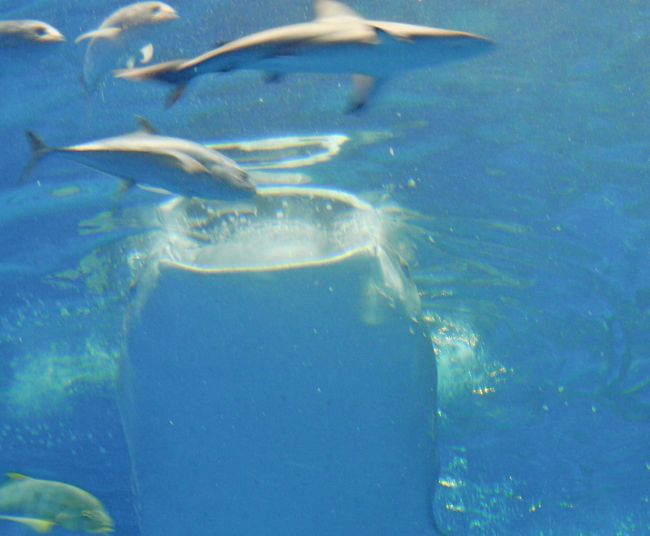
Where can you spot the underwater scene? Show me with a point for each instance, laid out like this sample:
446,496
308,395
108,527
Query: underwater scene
322,268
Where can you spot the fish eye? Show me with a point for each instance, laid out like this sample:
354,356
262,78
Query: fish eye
41,31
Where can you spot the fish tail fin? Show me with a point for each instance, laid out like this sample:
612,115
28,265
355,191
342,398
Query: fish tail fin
169,72
39,151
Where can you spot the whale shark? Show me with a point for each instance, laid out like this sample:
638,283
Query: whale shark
338,40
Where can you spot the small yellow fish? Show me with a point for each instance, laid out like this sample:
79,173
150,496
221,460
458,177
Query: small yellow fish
44,504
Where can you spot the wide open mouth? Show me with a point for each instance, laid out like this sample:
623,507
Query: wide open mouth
282,228
286,228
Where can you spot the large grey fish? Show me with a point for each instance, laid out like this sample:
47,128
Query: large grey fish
143,157
337,41
44,504
118,34
15,33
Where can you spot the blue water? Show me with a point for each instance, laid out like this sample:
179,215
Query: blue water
529,167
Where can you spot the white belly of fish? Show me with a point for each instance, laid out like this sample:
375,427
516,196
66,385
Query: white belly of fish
377,60
162,170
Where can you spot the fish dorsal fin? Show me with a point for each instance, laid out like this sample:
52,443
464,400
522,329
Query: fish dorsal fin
16,476
388,31
144,125
39,525
329,9
146,53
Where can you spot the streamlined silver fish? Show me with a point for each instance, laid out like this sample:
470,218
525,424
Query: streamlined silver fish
338,41
44,504
118,34
14,33
143,157
130,17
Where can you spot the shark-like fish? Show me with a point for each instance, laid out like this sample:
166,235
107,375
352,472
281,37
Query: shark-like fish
15,33
118,35
338,40
44,504
143,157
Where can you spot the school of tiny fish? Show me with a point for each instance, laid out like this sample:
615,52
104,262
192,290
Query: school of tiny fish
338,40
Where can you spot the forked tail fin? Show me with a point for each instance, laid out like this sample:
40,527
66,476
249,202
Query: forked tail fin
169,72
39,150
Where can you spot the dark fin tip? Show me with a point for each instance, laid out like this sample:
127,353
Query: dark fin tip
145,125
125,187
272,78
175,95
354,107
37,144
39,150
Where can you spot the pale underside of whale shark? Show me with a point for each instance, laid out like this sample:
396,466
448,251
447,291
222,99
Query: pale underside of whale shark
338,40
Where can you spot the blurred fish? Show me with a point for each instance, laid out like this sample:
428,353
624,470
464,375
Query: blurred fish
43,504
118,34
14,33
337,41
143,157
130,17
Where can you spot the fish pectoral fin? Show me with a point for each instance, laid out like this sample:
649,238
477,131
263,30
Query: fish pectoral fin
146,53
187,163
328,9
39,525
126,186
175,95
364,87
62,517
102,33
